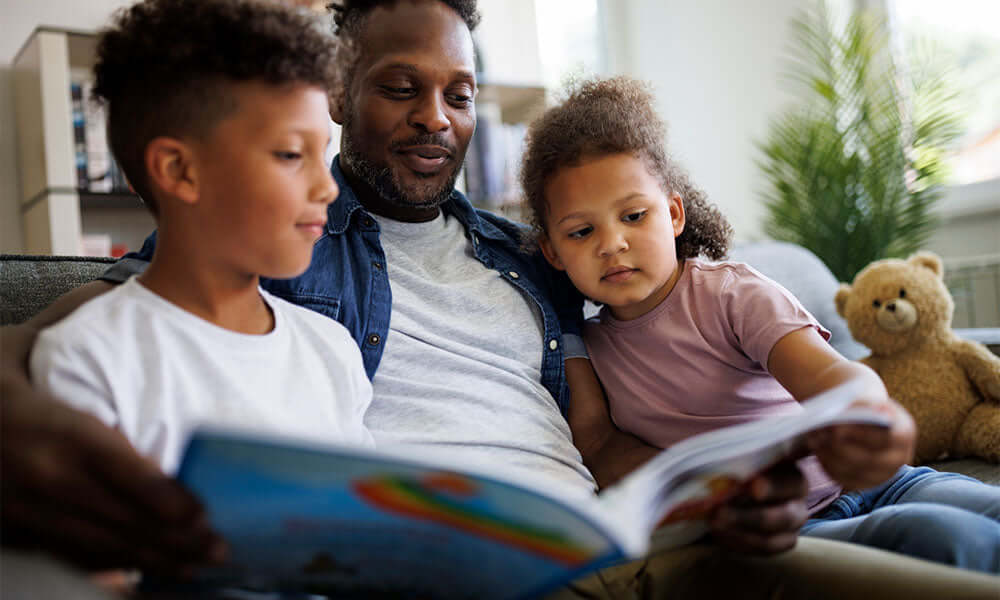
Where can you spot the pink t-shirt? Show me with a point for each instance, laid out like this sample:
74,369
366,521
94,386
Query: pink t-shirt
697,361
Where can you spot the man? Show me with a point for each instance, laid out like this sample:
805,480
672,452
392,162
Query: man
462,336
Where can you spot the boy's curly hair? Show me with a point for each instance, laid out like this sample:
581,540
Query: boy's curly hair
600,117
164,66
349,18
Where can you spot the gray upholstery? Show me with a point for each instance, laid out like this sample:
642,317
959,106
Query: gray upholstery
30,283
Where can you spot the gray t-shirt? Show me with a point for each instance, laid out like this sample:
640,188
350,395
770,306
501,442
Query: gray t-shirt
461,370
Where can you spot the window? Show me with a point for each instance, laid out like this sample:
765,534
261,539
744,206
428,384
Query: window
569,39
965,35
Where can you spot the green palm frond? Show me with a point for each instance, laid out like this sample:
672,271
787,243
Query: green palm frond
854,169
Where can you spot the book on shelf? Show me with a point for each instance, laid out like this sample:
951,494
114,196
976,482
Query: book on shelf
316,519
96,169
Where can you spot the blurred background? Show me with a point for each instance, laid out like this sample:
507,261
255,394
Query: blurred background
719,69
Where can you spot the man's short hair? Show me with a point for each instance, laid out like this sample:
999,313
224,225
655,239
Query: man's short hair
349,19
165,68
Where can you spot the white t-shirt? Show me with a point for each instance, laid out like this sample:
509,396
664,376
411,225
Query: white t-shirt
153,370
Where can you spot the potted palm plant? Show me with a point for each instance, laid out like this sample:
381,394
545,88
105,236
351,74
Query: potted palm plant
854,168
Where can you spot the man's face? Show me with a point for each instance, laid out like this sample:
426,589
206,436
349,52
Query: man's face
409,111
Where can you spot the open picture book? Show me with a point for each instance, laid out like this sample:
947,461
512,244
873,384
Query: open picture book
315,519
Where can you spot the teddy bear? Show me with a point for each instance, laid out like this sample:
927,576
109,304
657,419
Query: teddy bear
902,311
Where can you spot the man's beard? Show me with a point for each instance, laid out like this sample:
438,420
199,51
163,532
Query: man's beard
387,185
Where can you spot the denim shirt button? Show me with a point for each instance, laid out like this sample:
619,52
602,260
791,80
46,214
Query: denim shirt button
513,274
377,266
553,344
374,339
368,222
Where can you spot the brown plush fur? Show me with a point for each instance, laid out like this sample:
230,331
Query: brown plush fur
902,311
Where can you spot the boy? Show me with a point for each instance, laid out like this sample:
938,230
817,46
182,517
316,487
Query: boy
217,112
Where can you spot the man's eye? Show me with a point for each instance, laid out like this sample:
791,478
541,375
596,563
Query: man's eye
399,91
634,217
459,99
283,155
579,234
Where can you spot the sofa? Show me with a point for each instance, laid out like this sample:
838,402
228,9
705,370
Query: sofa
30,283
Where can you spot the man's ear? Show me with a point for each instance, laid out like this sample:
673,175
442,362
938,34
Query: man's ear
677,215
171,169
549,252
337,105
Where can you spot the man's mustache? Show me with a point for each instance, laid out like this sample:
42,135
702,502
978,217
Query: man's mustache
425,139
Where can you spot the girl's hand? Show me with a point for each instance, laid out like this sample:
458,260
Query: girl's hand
861,456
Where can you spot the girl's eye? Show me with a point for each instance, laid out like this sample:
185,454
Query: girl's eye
876,304
282,155
581,233
634,217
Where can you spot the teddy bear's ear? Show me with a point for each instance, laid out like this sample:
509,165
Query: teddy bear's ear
927,260
841,299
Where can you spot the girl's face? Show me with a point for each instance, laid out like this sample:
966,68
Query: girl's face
611,227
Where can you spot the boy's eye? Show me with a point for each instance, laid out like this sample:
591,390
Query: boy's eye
634,217
285,155
579,234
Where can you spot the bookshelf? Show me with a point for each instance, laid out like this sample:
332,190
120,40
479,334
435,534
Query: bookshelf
504,111
56,212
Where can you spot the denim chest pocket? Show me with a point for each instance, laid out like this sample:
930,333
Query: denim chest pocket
329,307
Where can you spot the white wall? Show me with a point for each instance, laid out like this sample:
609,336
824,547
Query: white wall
19,19
715,67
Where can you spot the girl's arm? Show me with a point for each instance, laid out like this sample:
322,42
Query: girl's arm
607,451
857,456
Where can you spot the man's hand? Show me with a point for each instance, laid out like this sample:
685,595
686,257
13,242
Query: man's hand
862,456
766,517
76,488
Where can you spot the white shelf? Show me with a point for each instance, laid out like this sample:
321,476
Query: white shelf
49,202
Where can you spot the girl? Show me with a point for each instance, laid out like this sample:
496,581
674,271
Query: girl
683,345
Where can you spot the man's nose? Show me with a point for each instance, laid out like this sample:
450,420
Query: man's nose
430,114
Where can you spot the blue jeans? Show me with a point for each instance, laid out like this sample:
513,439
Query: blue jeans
944,517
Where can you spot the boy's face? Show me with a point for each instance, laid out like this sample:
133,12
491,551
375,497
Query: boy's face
409,109
611,227
262,182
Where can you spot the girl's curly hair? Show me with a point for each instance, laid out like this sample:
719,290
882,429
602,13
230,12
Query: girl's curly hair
164,67
600,117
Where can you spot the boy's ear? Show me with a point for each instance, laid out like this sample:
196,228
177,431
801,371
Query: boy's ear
677,216
549,252
171,169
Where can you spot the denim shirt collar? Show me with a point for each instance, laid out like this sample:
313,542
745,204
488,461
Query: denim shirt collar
340,213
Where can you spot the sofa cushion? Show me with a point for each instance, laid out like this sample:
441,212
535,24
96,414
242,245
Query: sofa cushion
30,283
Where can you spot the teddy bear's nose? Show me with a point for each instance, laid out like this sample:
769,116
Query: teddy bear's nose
891,307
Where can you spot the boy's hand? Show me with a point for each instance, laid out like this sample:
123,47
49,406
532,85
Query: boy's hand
767,516
861,456
76,488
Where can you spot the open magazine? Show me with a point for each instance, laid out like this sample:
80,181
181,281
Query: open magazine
309,519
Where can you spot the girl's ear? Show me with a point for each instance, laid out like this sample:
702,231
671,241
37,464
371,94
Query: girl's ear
550,253
677,217
171,169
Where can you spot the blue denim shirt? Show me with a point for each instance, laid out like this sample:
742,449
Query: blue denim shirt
347,279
